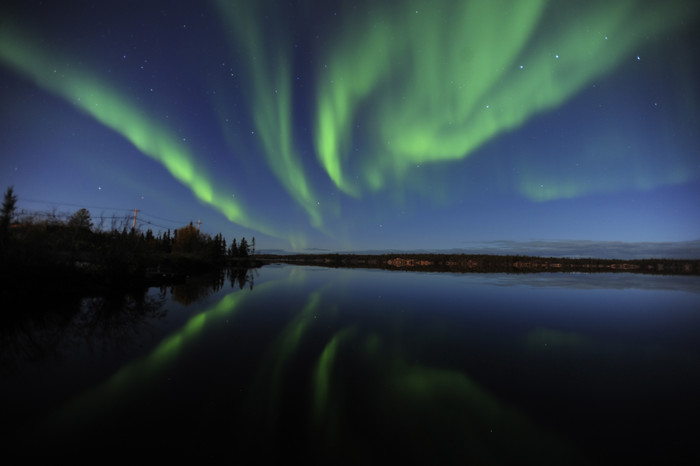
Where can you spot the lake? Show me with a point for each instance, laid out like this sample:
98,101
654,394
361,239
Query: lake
362,366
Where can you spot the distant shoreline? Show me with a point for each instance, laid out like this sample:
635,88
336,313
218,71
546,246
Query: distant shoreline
488,263
84,277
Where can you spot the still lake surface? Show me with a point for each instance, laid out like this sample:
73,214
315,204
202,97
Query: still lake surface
361,366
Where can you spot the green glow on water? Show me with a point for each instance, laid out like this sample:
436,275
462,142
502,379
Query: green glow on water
271,375
323,374
142,374
401,398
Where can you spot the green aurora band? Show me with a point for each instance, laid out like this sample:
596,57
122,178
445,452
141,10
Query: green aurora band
270,79
396,85
23,54
433,83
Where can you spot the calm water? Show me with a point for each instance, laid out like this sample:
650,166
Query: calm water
363,366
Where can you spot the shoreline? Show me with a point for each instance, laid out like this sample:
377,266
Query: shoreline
81,277
487,263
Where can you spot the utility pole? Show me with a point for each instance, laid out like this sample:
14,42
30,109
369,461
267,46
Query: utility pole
198,223
133,227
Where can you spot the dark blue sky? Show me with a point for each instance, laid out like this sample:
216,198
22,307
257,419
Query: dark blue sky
358,125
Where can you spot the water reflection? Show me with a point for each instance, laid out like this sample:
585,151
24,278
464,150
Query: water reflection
46,327
47,324
197,288
328,365
597,281
369,395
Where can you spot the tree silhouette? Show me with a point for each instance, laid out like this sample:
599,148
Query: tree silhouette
80,220
9,205
186,239
243,249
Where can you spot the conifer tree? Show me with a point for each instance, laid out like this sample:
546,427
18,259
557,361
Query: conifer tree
243,248
81,220
9,205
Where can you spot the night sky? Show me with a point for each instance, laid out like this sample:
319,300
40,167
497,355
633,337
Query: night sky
356,125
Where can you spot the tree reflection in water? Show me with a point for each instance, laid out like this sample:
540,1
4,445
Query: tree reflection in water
110,323
345,365
43,326
197,288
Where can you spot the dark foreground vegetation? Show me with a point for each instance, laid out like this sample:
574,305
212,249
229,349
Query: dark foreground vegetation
483,263
73,254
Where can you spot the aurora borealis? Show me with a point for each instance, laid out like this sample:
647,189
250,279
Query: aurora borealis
359,125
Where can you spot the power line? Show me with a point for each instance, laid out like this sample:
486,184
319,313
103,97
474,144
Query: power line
71,205
101,218
37,213
161,218
179,222
152,224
